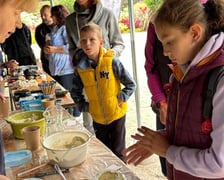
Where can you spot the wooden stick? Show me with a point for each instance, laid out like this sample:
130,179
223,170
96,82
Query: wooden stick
30,170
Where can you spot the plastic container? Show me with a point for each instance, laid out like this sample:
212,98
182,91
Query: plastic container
66,157
32,105
17,158
28,118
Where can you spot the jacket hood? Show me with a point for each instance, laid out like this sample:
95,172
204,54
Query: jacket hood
212,45
96,11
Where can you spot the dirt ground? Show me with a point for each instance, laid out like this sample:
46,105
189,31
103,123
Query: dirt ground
150,169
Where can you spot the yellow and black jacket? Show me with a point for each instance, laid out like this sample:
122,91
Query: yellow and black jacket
102,84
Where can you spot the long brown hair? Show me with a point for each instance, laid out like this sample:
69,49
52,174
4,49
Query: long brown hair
60,12
184,13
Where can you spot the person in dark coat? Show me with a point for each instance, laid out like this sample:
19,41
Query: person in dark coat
40,34
10,18
18,46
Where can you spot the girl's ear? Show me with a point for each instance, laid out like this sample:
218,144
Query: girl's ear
196,31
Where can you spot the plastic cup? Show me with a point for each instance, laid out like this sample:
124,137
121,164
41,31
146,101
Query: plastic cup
48,102
32,137
4,108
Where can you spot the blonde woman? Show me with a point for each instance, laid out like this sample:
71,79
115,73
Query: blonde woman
10,11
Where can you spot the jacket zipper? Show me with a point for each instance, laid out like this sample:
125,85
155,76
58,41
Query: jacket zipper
176,119
99,95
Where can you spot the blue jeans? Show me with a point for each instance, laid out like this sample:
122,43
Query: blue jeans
66,82
159,125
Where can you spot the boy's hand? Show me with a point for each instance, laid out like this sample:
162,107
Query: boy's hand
120,102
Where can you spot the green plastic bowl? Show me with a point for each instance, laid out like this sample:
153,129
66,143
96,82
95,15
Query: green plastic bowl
27,118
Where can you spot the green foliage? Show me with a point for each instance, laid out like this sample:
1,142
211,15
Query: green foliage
33,19
142,12
67,3
153,4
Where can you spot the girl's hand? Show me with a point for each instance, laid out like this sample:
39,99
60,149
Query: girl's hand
151,140
148,142
135,154
4,177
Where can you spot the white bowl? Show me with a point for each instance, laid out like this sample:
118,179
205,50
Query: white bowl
64,151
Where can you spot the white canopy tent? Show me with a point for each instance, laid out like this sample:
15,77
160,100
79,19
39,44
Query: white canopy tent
115,6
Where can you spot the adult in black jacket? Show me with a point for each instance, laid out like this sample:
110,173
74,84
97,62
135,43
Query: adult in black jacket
18,46
40,34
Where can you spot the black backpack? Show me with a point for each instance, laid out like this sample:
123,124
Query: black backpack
214,76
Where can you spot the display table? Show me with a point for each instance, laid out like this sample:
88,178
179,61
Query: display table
99,157
66,101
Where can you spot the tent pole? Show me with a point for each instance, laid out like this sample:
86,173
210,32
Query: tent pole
134,64
52,2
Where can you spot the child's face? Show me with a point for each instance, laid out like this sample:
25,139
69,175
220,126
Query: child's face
179,46
91,43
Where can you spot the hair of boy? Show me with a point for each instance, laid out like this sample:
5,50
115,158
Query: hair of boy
185,13
92,27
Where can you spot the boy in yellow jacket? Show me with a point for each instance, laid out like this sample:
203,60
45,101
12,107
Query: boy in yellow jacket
101,74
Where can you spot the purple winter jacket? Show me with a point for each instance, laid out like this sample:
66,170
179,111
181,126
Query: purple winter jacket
154,82
194,155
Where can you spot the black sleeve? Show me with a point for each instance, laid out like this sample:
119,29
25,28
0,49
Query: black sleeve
27,34
39,37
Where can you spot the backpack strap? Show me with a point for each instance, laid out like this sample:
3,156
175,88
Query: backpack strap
214,76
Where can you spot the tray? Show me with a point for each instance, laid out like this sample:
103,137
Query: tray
17,158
